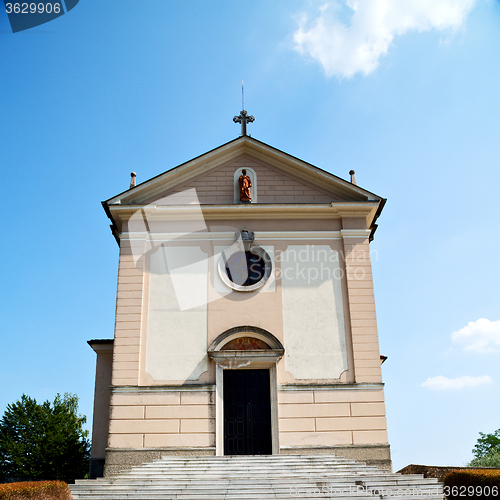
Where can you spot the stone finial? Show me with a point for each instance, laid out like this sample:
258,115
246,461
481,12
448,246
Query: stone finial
353,179
132,180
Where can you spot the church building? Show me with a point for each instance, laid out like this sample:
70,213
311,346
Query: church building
245,314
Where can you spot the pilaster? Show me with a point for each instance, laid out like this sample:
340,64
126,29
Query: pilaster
366,354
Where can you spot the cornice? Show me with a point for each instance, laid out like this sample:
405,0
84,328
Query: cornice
334,210
101,347
260,236
229,357
179,213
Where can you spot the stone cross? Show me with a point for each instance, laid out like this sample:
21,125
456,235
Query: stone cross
243,118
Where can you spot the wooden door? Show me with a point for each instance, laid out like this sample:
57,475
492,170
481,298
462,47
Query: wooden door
247,412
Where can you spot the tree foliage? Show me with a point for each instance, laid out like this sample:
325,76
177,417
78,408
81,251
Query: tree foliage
487,450
43,441
491,459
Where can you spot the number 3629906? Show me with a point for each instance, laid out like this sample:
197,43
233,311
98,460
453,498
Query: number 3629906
33,8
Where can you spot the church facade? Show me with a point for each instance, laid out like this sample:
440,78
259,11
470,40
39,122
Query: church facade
245,315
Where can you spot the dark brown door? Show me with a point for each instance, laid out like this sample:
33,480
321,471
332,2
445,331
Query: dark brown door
247,412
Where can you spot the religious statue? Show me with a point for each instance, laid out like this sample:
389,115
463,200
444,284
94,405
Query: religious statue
245,185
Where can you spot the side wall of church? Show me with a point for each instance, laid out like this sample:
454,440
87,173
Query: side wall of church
100,420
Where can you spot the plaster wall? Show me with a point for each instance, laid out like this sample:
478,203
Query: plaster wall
152,339
166,418
348,421
352,301
176,347
314,331
332,417
315,416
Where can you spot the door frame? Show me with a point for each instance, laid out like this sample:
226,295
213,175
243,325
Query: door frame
245,360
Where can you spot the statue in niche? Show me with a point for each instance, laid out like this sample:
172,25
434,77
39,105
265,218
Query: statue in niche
245,184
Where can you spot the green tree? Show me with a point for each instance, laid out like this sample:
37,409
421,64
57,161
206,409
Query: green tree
491,459
487,450
43,441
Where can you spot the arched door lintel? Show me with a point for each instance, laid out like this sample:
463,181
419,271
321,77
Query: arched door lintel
246,331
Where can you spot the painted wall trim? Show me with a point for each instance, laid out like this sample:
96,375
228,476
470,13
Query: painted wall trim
330,387
159,389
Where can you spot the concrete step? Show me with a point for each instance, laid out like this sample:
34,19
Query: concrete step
251,478
296,494
290,493
258,483
176,470
246,484
298,490
244,481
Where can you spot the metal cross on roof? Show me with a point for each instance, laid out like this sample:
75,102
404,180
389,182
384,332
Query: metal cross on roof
243,118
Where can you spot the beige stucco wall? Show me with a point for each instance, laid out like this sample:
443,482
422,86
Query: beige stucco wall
255,308
307,418
320,416
260,309
329,417
149,412
162,419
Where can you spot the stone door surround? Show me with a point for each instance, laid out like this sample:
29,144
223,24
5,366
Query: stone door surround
245,360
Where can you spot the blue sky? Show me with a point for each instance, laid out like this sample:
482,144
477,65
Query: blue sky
407,97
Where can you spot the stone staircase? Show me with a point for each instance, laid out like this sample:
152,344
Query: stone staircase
300,477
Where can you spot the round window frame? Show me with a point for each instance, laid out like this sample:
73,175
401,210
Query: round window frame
226,255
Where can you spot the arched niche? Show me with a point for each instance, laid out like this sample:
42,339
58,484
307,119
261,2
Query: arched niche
249,332
253,179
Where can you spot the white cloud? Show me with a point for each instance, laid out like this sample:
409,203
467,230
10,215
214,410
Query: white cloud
444,383
482,335
346,49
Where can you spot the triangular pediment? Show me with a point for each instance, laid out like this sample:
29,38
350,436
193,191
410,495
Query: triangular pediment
279,179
